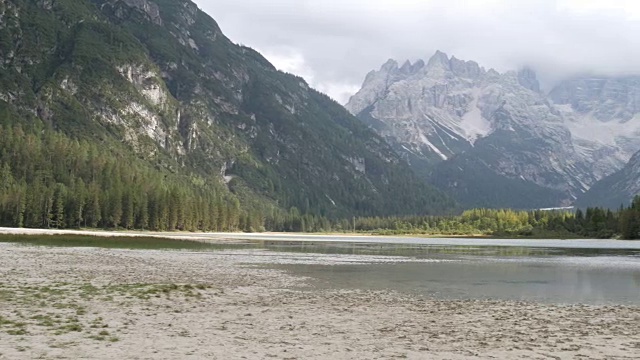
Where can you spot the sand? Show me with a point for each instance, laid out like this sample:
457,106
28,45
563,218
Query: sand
71,303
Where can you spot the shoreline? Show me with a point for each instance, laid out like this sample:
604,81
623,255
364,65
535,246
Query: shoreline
181,234
373,239
111,304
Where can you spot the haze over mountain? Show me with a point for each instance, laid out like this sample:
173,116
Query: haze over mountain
333,44
495,139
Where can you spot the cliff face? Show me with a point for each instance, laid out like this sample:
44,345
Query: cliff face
495,139
161,79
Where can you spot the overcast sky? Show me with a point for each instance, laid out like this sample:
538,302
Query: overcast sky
333,44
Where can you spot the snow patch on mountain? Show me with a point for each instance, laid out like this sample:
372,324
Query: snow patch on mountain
473,123
584,130
431,146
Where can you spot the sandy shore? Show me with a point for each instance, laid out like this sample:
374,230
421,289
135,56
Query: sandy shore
68,303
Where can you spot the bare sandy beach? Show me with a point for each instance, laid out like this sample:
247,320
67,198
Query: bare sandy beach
71,303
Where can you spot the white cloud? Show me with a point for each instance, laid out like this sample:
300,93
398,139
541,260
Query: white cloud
629,9
288,60
334,43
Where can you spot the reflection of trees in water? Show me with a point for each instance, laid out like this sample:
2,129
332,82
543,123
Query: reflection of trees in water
414,250
400,249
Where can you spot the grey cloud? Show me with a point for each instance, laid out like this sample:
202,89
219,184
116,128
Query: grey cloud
340,40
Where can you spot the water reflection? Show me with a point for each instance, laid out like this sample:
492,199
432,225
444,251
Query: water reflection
418,251
592,276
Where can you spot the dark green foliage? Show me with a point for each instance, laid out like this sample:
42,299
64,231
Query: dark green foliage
469,178
66,83
51,181
630,221
594,223
477,222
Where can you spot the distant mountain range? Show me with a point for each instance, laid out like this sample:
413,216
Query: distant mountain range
495,139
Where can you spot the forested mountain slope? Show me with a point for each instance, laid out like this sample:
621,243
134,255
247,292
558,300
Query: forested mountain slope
150,109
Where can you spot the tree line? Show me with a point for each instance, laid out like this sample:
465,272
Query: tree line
597,223
48,180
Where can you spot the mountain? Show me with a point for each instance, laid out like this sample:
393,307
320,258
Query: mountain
616,189
494,139
603,115
159,84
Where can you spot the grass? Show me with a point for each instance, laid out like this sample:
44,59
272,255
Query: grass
15,327
116,242
57,309
148,291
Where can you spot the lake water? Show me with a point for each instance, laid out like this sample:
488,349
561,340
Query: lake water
604,275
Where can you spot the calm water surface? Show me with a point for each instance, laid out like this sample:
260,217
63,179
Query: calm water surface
543,274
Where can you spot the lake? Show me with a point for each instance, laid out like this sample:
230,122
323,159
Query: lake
552,274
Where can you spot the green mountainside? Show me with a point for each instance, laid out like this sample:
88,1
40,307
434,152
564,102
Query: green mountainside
133,113
470,177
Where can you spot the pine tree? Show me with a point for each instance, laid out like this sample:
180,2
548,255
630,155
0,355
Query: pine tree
127,210
58,205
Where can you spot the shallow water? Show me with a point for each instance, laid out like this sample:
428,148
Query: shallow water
398,240
549,275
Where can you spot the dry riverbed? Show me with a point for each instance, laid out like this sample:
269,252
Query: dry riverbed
71,303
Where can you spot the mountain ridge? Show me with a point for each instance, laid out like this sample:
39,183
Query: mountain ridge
437,114
159,81
615,190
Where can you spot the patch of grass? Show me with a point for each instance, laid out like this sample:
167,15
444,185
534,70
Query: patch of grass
15,327
62,345
88,291
44,320
6,294
51,291
65,329
118,242
102,336
19,331
148,291
72,325
4,321
98,324
63,305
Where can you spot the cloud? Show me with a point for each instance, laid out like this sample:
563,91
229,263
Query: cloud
333,44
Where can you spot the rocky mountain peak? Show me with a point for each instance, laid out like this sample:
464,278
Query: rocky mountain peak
389,66
528,79
410,69
453,114
439,59
468,69
605,98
